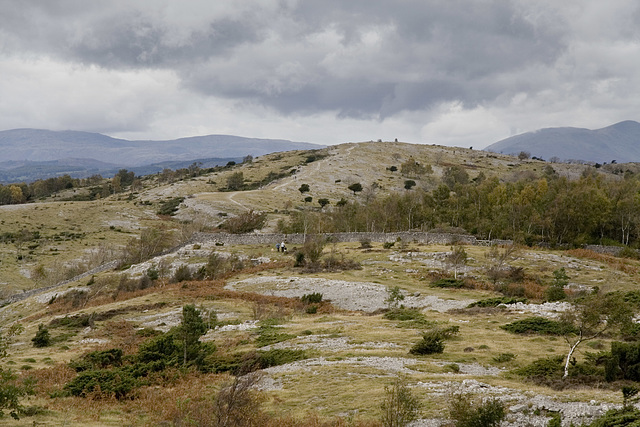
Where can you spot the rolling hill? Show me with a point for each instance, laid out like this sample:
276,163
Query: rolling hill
52,153
619,142
330,361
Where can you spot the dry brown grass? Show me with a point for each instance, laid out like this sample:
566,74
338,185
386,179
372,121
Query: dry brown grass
621,264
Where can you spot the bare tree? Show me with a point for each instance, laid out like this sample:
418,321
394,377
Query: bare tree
456,259
593,316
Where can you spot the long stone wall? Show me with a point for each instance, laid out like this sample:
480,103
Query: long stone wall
407,236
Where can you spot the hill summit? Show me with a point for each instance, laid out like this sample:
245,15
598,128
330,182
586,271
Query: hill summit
619,142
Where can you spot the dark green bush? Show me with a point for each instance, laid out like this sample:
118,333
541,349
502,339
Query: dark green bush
555,293
448,283
466,413
277,357
299,259
494,302
181,274
243,363
268,335
42,338
170,207
432,341
153,273
624,362
98,360
623,417
504,357
113,382
539,325
313,298
547,367
409,318
404,314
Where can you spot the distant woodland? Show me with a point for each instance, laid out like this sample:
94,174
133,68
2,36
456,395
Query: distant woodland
532,209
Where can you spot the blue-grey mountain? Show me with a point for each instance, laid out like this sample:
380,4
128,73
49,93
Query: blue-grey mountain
619,142
29,154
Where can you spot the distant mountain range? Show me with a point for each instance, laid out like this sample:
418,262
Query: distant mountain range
619,142
30,154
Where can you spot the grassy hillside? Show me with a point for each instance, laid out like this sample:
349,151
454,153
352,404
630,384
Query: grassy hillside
328,360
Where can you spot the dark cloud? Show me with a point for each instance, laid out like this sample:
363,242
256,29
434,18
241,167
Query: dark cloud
450,49
358,59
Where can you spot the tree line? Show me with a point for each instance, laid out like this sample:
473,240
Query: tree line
535,208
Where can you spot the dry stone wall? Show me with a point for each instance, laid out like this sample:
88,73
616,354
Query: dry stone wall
407,236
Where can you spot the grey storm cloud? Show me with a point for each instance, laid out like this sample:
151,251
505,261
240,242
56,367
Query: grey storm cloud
454,71
364,59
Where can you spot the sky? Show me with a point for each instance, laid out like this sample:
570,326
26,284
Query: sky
452,72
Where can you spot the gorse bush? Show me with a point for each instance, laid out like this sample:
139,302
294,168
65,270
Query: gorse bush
539,325
547,367
432,341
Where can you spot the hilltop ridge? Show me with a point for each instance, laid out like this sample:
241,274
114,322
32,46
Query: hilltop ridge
619,142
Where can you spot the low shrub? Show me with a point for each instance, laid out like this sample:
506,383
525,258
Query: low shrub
404,314
109,382
539,325
365,243
432,341
182,273
467,413
547,367
170,207
42,338
448,283
623,417
555,293
98,360
244,363
72,322
494,302
313,298
277,357
409,318
504,357
268,335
